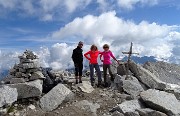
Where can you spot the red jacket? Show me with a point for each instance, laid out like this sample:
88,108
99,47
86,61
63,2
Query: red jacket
93,56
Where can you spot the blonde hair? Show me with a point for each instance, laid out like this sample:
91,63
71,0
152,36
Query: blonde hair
94,46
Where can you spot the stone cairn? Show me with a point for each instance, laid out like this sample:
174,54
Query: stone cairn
27,70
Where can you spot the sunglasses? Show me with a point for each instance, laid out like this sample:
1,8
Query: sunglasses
105,47
81,44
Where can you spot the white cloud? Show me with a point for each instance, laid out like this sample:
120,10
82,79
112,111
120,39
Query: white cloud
130,4
150,39
47,17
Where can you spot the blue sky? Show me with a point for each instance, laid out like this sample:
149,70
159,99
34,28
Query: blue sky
35,24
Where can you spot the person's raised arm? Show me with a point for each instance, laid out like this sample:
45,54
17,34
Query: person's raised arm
86,55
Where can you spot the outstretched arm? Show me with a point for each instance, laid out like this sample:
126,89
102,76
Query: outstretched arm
86,55
111,54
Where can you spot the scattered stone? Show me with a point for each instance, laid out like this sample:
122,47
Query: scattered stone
88,106
146,77
132,87
161,101
128,106
86,87
149,112
8,95
116,113
55,97
28,89
32,107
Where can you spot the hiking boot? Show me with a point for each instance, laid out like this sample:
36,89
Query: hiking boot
76,81
106,85
99,84
92,84
80,81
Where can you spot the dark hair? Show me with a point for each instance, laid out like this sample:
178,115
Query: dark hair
94,46
105,46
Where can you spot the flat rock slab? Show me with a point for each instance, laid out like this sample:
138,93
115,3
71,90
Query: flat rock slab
146,77
88,106
17,80
8,95
129,106
37,75
132,87
28,89
161,101
86,87
55,97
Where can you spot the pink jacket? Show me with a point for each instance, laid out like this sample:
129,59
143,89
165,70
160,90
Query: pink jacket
107,57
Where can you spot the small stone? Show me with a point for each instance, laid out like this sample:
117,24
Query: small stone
86,87
32,107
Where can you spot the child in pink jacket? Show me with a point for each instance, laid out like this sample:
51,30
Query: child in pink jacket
107,54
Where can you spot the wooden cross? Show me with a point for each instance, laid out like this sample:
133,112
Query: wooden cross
129,58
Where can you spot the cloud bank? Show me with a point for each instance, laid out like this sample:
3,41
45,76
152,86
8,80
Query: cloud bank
48,10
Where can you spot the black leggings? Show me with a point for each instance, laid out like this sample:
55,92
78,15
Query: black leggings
105,67
78,69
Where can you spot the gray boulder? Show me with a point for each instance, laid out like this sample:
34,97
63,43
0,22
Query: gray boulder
150,112
28,89
8,95
129,106
131,114
161,101
37,75
146,77
88,107
166,72
121,69
55,97
118,82
132,87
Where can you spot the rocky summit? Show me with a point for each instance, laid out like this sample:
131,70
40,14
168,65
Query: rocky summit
151,89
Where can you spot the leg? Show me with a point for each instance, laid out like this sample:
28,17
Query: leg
98,72
80,72
76,72
110,72
91,66
105,72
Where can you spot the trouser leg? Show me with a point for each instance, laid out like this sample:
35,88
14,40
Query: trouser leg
91,66
110,72
80,72
76,72
105,73
98,73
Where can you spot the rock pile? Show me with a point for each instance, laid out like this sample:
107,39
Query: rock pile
27,80
152,90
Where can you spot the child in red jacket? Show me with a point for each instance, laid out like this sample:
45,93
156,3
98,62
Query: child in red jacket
92,56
